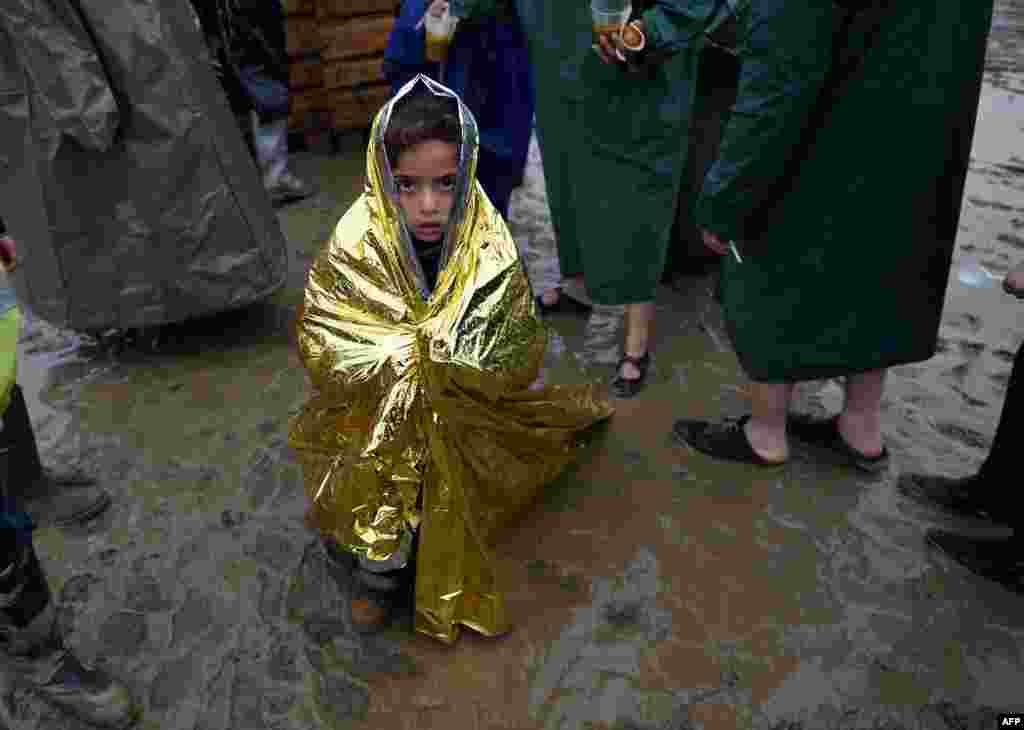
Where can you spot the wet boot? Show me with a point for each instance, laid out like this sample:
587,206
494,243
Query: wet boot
33,656
51,498
376,598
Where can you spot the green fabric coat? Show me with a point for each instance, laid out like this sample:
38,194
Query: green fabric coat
843,194
614,143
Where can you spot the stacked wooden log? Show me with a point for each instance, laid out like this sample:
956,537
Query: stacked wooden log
337,54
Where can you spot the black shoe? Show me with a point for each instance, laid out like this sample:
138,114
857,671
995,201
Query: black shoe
726,440
628,387
1000,559
965,497
36,659
824,434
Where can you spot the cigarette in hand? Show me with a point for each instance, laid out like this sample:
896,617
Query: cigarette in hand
735,252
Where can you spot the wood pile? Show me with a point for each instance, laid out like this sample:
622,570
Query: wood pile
336,49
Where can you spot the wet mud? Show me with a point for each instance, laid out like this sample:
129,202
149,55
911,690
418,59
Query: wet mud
652,588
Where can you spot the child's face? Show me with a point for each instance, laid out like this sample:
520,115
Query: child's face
426,175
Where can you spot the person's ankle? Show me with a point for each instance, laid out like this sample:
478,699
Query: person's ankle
862,432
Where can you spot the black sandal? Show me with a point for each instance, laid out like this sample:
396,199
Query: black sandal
628,387
726,440
1000,559
824,434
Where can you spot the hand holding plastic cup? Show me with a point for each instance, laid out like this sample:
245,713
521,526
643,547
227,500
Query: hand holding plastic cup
609,17
440,30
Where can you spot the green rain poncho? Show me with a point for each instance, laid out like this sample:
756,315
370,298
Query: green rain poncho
843,190
614,143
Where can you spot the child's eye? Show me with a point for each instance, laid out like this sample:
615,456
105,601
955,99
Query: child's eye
448,183
405,186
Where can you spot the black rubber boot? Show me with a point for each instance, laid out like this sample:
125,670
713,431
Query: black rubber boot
51,498
34,655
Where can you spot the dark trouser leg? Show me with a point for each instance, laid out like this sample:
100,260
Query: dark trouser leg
17,436
999,469
52,499
30,647
497,176
24,592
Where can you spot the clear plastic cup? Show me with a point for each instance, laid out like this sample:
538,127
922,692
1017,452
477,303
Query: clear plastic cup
609,17
440,31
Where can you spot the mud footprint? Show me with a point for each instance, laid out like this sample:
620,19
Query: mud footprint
964,321
963,435
989,204
969,399
1003,354
1011,239
971,349
1000,381
959,372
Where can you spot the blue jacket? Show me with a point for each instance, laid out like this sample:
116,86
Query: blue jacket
488,66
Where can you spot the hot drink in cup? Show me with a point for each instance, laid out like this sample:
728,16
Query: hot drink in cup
609,17
439,36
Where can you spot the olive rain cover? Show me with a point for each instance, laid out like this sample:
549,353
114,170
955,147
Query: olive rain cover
123,175
423,415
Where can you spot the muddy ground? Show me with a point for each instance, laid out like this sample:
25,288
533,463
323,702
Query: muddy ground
653,588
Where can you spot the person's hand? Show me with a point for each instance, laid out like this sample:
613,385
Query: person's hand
8,254
1014,282
610,48
437,8
712,241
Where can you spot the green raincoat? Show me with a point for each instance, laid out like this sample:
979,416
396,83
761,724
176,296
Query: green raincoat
614,143
842,188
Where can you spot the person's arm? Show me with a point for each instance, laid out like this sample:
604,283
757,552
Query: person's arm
404,56
788,51
66,77
672,25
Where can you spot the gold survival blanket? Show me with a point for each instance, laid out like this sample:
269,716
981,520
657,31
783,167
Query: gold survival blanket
422,415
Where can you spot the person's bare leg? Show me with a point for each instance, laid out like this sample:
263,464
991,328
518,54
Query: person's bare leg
860,423
766,429
639,317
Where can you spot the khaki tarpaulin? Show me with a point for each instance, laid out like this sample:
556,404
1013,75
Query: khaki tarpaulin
123,175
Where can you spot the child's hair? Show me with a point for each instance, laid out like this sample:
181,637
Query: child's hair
421,116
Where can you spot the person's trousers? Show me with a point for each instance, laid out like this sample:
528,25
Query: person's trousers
498,177
270,140
999,466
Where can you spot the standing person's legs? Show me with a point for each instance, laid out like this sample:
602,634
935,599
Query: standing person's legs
560,145
860,423
636,356
31,650
270,140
